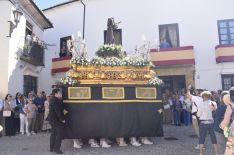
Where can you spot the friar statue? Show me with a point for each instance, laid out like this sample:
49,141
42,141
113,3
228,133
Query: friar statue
111,26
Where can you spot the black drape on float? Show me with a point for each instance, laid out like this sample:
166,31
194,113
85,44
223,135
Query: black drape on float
113,118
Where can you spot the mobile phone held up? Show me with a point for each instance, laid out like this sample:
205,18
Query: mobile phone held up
232,94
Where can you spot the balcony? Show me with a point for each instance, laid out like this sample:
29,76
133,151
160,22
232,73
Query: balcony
224,53
60,65
173,56
33,54
165,57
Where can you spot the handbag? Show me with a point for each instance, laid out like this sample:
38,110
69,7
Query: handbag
228,132
167,106
6,113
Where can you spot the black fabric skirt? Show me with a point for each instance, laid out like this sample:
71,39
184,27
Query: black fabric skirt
9,125
112,120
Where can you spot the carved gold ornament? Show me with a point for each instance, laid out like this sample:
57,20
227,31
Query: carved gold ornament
111,75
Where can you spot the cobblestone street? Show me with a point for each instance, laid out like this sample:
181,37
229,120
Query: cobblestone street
39,145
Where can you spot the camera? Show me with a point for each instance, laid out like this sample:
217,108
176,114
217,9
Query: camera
231,91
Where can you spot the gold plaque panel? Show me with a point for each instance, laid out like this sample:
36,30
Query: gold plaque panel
112,92
146,93
79,93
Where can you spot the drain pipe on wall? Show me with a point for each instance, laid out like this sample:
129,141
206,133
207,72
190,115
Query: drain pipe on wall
83,18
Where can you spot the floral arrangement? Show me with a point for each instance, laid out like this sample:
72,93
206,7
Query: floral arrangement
80,61
110,61
68,81
135,61
155,81
98,61
113,61
111,55
110,50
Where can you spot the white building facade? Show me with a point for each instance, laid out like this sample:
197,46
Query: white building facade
200,24
199,33
21,71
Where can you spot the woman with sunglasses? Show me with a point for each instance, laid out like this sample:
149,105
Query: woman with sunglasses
9,115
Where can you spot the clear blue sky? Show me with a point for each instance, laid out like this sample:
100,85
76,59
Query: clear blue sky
42,4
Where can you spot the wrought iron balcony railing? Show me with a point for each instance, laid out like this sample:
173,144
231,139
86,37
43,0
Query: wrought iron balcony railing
33,54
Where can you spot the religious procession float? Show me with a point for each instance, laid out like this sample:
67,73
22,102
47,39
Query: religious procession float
111,95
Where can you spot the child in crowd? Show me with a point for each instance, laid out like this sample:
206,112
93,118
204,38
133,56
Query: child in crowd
30,110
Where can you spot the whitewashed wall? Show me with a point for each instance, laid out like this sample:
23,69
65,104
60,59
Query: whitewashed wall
12,69
197,26
5,7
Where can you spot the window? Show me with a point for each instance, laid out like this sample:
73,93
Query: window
226,31
169,36
227,81
29,29
63,46
117,35
30,84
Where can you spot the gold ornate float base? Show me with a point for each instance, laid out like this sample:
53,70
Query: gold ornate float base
111,75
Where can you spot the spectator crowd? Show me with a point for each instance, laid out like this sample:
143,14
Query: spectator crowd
208,112
24,115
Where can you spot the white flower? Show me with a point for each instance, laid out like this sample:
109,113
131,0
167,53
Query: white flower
155,81
68,81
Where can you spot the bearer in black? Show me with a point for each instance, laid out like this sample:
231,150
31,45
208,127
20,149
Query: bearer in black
57,120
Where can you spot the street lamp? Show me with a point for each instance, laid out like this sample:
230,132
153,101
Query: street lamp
17,15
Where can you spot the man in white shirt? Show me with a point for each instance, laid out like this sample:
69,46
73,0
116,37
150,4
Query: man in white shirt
206,124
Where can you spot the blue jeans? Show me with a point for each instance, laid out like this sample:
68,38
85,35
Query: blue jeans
186,117
177,117
203,129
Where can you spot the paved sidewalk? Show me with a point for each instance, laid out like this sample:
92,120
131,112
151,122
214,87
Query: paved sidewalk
39,145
